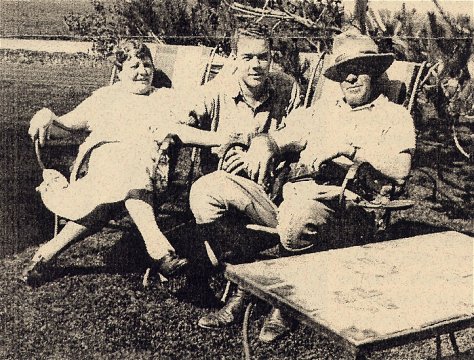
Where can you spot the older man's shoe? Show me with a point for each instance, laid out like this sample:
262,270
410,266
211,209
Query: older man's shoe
231,313
171,265
275,326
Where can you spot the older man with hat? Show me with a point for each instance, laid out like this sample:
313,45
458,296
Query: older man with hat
358,125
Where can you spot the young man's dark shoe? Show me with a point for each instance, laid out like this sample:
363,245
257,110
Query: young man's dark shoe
231,313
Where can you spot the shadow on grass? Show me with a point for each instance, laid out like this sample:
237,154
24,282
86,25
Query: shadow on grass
408,228
54,273
465,355
455,210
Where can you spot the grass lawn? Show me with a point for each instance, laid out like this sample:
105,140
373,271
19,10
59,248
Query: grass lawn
39,17
94,306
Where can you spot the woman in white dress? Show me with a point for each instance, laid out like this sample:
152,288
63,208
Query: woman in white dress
117,163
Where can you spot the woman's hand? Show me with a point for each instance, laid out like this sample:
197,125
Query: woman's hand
40,125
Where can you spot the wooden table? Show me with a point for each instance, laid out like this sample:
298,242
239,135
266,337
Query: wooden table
375,296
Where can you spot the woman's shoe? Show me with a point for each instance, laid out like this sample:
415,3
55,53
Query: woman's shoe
171,265
33,273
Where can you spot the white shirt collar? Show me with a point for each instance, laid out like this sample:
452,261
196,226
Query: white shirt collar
377,102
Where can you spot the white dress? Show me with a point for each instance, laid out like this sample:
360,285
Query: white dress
119,157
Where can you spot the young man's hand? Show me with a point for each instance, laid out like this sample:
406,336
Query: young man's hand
235,160
260,158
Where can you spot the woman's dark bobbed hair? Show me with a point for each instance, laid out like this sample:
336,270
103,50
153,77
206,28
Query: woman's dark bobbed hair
128,48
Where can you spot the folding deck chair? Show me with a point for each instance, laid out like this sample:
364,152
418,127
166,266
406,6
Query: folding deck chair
181,67
401,85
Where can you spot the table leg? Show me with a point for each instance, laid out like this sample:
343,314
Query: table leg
225,294
438,347
361,355
454,343
245,331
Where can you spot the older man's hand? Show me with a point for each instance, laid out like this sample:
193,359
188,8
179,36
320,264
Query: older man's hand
325,153
260,158
39,125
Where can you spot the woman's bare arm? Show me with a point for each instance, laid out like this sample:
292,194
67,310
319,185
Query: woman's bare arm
46,124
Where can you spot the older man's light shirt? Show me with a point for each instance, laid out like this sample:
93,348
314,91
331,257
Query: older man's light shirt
381,127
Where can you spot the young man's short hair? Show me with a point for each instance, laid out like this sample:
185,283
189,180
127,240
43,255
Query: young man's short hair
253,31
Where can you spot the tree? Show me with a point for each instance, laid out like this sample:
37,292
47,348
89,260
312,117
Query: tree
296,25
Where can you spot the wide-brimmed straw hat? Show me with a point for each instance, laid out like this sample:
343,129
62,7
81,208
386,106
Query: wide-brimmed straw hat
352,50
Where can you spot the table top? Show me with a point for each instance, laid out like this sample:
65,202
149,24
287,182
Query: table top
368,294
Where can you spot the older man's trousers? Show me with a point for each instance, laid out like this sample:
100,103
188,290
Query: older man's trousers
300,220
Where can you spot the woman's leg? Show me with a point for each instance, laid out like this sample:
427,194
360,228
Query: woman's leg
143,215
75,231
69,234
157,245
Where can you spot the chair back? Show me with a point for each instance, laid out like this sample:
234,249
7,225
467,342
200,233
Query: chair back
184,66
